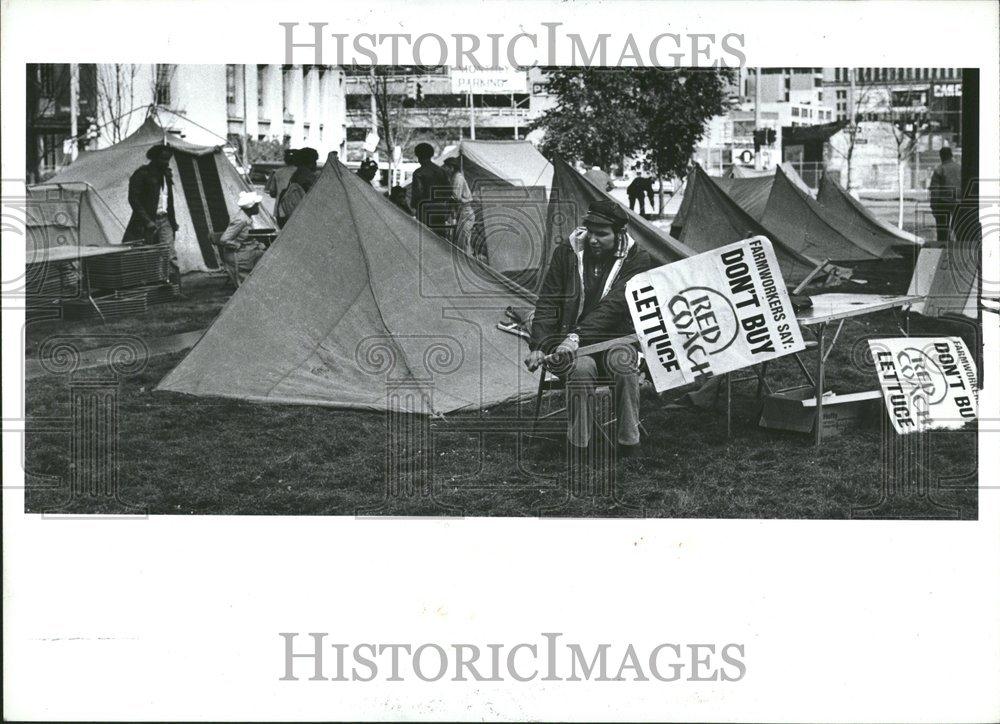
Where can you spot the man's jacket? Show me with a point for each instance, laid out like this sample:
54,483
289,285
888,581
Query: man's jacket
560,301
143,197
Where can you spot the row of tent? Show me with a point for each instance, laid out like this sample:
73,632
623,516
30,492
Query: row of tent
805,231
359,305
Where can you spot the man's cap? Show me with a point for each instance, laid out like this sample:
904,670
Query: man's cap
248,199
157,149
607,213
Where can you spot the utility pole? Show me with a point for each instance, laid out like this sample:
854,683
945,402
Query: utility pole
852,129
472,118
513,107
758,157
374,106
74,108
246,139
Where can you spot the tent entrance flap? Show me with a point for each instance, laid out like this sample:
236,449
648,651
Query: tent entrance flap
197,187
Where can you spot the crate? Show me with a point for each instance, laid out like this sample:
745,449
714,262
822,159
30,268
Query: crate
118,304
140,265
795,409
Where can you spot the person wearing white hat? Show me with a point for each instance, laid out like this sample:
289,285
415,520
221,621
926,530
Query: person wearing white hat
239,250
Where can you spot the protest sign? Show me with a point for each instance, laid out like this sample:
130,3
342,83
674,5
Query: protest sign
927,383
713,313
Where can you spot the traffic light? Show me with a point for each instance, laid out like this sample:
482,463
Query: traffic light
420,92
769,136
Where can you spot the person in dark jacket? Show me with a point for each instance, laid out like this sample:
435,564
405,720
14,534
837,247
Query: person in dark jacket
298,185
943,192
582,302
151,196
640,188
430,191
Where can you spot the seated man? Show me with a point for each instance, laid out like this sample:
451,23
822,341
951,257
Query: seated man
240,251
582,302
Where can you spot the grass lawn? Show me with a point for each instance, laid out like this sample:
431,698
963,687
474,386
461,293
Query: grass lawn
184,455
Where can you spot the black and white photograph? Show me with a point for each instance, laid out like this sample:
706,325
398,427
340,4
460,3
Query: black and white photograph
442,325
618,282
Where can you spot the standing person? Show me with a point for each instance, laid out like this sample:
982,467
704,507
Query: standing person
600,179
647,185
151,196
582,302
298,185
277,182
240,251
943,192
637,194
465,218
430,191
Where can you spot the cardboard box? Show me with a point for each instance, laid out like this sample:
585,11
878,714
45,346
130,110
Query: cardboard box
795,409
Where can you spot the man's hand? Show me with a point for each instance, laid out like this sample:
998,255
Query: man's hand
150,226
534,360
578,236
568,346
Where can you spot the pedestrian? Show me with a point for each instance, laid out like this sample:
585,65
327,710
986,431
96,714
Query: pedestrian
943,193
465,217
368,170
277,182
582,302
397,195
430,191
599,178
239,250
298,185
151,197
637,191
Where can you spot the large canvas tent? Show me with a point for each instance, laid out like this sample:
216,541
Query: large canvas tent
510,181
572,194
206,186
813,230
358,305
714,219
66,216
750,189
860,220
516,163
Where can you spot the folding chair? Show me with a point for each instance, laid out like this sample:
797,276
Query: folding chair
548,381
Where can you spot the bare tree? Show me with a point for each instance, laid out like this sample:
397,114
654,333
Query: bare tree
400,117
860,101
116,98
908,121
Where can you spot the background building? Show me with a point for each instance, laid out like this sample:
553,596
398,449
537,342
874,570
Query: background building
920,107
257,109
427,104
